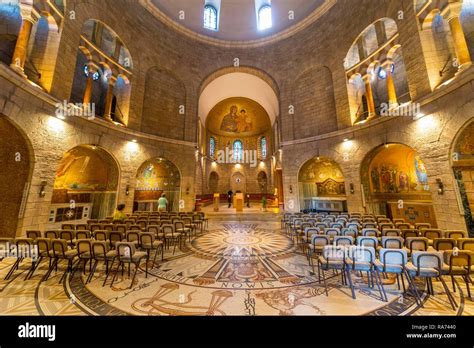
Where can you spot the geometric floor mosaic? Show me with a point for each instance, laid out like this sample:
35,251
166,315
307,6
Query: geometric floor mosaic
235,268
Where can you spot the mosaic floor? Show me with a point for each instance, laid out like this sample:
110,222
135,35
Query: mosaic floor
235,268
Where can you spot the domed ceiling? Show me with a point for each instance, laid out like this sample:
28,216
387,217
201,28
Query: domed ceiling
238,18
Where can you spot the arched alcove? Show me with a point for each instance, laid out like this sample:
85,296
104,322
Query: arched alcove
321,186
85,185
155,177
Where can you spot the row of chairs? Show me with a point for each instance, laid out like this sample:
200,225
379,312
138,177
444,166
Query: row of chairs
126,251
170,234
303,236
423,264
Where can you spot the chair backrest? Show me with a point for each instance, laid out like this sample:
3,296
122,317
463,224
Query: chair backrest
178,224
357,253
349,232
455,234
100,249
427,259
392,232
332,231
59,247
82,234
167,228
336,225
108,227
421,225
343,240
33,234
102,235
334,253
25,248
67,235
84,246
95,227
417,243
392,242
402,225
466,244
383,220
82,227
115,236
369,225
51,234
320,240
397,257
125,251
44,245
142,223
370,232
68,226
321,225
385,225
431,233
354,225
92,221
153,229
121,228
369,241
444,244
303,226
398,220
409,233
147,238
309,231
458,258
133,236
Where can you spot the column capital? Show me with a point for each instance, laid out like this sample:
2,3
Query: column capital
28,13
452,10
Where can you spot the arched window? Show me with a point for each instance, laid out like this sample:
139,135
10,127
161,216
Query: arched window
210,17
263,147
265,17
212,147
237,151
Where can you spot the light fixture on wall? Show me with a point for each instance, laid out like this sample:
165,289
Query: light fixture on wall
291,188
127,190
440,186
351,188
42,191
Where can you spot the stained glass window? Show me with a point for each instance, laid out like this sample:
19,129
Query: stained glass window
263,147
237,151
210,17
265,17
212,147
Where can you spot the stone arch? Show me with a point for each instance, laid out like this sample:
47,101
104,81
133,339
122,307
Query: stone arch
157,176
85,185
17,158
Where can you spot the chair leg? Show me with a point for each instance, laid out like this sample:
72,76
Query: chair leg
134,274
110,269
115,274
412,285
50,270
13,268
350,282
467,286
324,278
378,281
451,299
91,273
34,267
454,285
403,283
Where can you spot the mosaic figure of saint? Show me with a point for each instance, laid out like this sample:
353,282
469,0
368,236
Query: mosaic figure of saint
403,181
420,169
230,121
375,177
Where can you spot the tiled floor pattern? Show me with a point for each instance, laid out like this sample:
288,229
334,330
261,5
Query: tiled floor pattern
235,268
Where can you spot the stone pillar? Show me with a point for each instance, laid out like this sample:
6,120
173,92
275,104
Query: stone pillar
452,14
369,96
109,97
29,18
88,90
392,94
